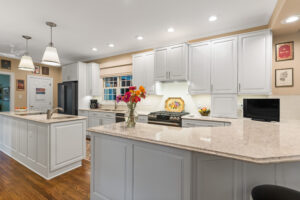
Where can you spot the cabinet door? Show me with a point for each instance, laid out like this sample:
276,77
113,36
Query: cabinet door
255,57
1,130
93,79
199,68
70,72
93,122
160,64
224,106
224,66
177,62
149,65
139,70
108,121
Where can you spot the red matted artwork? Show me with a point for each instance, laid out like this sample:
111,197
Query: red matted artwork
284,51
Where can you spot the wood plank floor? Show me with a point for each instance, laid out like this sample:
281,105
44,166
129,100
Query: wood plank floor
19,183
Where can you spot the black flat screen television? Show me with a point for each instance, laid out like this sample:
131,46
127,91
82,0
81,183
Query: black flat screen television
262,109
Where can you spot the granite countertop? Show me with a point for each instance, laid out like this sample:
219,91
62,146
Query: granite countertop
244,139
42,118
104,110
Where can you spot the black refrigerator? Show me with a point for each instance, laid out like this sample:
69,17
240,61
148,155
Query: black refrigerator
68,97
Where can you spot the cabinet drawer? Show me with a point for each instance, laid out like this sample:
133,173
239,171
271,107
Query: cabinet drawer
142,119
203,123
83,113
102,115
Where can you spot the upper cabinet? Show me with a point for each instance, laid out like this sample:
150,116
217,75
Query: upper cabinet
255,62
70,72
171,63
224,66
199,68
143,71
93,79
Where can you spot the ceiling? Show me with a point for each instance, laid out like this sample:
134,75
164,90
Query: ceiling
84,24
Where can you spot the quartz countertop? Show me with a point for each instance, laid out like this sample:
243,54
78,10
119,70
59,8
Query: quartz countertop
104,110
244,139
42,118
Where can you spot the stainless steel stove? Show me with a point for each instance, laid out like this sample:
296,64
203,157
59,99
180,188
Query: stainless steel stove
166,118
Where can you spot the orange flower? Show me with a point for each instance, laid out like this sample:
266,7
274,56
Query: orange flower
142,89
137,93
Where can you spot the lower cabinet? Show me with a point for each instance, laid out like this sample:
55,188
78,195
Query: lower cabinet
142,119
124,169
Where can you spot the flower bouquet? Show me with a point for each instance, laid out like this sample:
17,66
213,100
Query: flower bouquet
131,98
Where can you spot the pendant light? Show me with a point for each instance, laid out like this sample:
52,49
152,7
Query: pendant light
26,63
50,56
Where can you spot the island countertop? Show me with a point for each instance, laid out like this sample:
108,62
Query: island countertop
42,118
244,139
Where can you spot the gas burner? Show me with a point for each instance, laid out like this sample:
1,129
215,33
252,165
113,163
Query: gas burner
166,118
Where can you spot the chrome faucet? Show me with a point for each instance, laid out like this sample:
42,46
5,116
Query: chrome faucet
116,105
51,112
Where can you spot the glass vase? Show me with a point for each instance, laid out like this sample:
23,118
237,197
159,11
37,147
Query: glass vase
131,115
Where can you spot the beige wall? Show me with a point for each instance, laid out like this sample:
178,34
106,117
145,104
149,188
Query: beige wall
295,90
21,96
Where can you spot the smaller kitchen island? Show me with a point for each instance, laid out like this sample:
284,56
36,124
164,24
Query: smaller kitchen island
153,162
48,147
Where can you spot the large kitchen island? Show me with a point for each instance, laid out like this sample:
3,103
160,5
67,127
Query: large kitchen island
153,162
49,147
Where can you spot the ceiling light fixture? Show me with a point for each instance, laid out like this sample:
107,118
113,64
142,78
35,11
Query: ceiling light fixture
111,45
139,37
50,56
291,19
212,18
26,62
171,30
94,49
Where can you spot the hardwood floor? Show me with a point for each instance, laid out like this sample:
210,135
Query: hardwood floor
19,183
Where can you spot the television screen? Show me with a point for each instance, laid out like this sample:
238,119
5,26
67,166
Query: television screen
262,109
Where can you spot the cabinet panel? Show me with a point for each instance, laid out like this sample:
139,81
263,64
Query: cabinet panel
224,66
111,174
93,79
224,105
160,65
255,63
1,131
32,141
177,62
23,138
149,73
160,173
139,69
70,72
199,68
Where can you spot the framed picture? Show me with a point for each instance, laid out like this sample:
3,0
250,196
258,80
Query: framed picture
37,69
45,70
6,64
284,51
20,84
284,77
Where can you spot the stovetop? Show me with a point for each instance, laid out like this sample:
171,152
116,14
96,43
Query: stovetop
166,113
166,118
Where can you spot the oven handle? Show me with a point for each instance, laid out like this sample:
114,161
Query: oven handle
166,123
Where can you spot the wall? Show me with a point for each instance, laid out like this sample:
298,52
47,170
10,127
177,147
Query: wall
287,64
21,96
4,83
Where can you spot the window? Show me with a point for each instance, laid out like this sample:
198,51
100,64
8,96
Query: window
114,86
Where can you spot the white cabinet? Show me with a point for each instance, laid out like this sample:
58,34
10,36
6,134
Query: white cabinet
100,118
224,105
93,79
255,62
199,68
143,71
224,66
142,119
70,72
171,63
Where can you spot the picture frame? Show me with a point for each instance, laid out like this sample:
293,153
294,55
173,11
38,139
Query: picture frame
284,51
37,69
5,64
45,70
284,77
20,85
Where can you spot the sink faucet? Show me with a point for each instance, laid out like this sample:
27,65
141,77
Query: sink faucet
116,105
51,112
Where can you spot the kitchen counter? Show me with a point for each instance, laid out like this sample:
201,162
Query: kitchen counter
104,110
244,139
42,118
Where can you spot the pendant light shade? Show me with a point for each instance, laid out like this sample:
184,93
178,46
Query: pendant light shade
26,62
50,56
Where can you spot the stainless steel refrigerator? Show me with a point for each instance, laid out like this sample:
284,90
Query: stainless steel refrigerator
68,97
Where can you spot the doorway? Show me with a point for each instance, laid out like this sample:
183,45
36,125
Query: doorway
6,91
39,93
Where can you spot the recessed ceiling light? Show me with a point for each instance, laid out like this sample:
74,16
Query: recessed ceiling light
212,18
291,19
139,37
111,45
94,49
171,30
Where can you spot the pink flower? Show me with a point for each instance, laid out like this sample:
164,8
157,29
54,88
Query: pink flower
132,88
119,98
126,97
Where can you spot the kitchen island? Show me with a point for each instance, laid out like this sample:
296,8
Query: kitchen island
49,147
198,163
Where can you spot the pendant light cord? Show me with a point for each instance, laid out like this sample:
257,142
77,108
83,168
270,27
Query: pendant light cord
26,47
